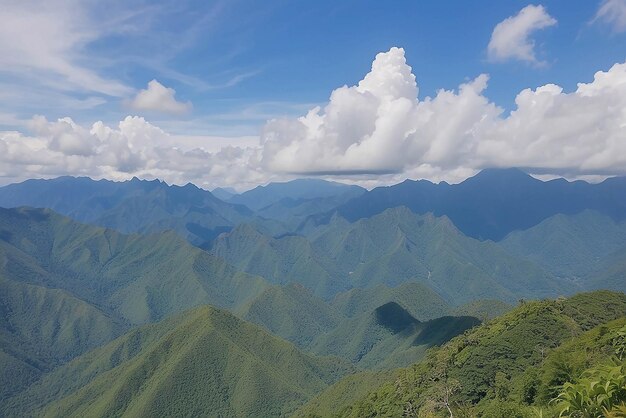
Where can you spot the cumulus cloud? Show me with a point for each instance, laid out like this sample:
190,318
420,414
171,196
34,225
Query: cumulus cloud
158,98
380,125
375,132
511,38
132,148
612,12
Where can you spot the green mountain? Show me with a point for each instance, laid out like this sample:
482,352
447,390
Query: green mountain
66,288
137,278
41,328
391,248
293,313
575,246
418,300
280,260
388,337
205,362
398,246
502,367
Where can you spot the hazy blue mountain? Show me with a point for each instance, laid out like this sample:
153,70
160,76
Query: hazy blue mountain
495,202
224,193
263,196
130,206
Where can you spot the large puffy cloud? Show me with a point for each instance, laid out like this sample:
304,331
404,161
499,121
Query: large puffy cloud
156,97
133,148
378,131
511,38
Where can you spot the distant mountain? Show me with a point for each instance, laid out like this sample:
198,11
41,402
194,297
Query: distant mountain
397,246
281,260
390,248
306,189
495,202
130,206
205,362
224,193
575,246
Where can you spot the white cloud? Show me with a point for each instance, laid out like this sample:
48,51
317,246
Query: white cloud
511,38
156,97
383,127
613,12
378,131
43,41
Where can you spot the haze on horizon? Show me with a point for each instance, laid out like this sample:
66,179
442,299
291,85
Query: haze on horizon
216,94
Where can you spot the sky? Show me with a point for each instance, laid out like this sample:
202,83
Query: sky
240,93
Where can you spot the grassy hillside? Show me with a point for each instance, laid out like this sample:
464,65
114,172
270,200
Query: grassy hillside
205,362
478,371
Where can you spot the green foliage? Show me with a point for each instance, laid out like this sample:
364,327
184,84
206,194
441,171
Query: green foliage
600,390
513,361
203,362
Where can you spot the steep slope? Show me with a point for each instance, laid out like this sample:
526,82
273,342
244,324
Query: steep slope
263,196
41,328
398,246
419,300
292,312
130,206
391,248
206,362
495,202
138,278
290,258
573,246
494,360
388,337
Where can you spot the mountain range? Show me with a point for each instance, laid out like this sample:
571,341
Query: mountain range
306,298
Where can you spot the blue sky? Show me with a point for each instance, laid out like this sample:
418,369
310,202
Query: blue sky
224,68
240,62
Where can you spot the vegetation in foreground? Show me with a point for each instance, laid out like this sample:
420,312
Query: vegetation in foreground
546,358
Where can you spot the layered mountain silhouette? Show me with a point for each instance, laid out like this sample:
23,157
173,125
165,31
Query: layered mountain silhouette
495,202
